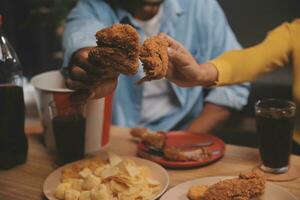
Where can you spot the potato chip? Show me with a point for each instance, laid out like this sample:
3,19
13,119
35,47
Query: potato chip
61,189
72,194
117,187
85,172
152,182
123,181
99,170
132,169
109,172
76,184
85,195
113,158
100,193
90,182
111,179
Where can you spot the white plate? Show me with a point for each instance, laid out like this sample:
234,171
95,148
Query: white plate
156,172
179,192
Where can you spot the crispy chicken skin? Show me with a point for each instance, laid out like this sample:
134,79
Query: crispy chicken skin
139,132
156,140
178,154
154,56
245,187
113,58
150,138
118,48
195,192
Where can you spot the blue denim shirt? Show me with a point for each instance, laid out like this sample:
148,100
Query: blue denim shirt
200,25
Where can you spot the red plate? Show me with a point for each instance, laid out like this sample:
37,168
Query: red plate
183,138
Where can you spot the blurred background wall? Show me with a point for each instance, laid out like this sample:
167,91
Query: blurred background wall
34,27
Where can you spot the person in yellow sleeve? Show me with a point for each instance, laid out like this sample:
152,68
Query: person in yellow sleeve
282,45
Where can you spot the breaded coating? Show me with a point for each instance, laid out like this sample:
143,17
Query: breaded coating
118,48
154,56
115,58
139,132
121,36
155,139
245,187
195,192
178,154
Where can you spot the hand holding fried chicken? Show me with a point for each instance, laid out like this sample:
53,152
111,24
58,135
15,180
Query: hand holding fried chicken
94,70
88,80
184,69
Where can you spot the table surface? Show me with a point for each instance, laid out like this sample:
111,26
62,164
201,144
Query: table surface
26,181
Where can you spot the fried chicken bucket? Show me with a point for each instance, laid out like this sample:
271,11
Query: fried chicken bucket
50,89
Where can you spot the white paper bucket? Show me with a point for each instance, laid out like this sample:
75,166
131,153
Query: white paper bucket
50,87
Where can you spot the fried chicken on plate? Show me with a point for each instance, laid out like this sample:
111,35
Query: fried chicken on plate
245,187
180,154
155,140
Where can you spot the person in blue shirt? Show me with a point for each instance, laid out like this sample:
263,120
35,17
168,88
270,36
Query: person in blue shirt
200,25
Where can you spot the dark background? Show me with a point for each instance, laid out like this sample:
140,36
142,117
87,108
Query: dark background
38,43
251,20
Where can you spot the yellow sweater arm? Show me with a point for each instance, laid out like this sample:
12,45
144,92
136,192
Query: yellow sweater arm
244,65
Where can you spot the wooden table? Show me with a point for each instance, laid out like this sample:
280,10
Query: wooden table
26,181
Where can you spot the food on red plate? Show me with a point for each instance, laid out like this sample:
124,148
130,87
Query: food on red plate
154,56
150,138
139,132
245,187
118,48
156,140
181,154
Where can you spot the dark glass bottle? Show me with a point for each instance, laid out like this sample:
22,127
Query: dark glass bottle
13,142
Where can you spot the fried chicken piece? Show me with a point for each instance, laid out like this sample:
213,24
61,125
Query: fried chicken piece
139,132
179,154
245,187
113,58
121,36
195,192
154,56
150,138
156,140
118,48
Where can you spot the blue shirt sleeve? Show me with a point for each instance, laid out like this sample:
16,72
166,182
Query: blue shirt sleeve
220,38
85,19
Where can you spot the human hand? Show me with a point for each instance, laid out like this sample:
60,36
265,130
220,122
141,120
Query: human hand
184,69
89,81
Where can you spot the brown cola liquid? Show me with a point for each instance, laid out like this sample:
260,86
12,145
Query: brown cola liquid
13,142
69,134
275,139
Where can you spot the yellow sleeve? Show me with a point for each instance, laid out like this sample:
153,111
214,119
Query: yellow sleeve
244,65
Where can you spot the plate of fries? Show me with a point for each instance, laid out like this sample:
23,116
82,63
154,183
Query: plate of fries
107,177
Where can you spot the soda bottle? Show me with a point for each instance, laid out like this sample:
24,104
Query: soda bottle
13,142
